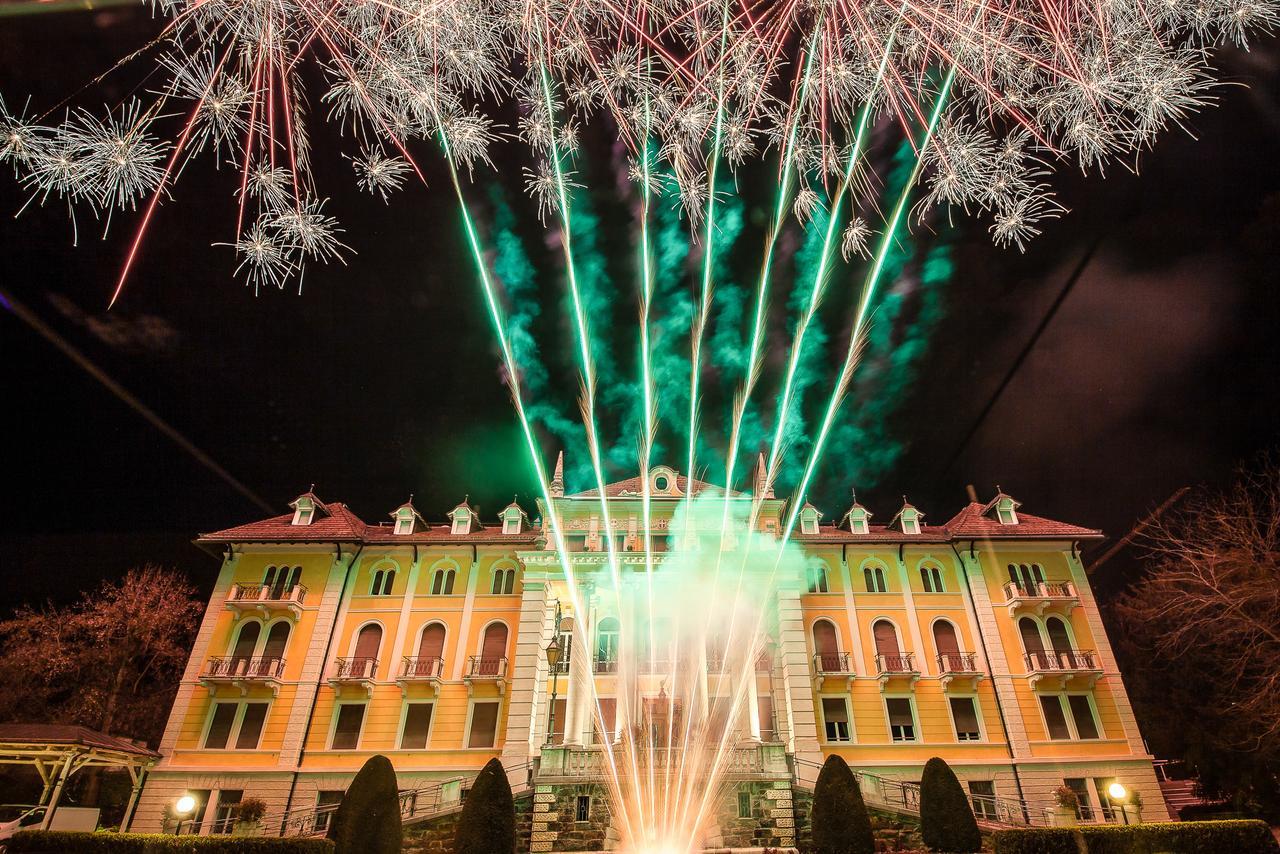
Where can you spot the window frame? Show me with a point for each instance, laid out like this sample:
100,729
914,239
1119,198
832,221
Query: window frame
874,577
237,721
337,713
1069,716
848,721
916,733
977,714
404,721
497,720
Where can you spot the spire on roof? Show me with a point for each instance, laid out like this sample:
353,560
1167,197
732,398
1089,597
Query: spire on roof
762,488
557,479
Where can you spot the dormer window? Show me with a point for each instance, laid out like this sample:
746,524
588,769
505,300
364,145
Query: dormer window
910,525
809,516
513,519
908,519
304,510
461,521
859,519
1005,512
662,481
404,526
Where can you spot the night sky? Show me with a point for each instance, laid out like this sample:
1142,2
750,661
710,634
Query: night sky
381,379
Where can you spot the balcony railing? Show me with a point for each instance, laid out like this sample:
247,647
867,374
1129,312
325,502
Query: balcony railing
359,669
901,662
1062,661
604,664
421,667
266,593
958,662
832,663
1040,595
244,669
742,762
483,667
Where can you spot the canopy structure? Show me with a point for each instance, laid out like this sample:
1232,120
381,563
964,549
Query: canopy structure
57,751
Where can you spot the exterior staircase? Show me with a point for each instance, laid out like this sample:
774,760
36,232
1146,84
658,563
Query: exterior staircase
1179,787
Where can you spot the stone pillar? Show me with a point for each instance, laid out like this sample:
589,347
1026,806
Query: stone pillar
528,671
797,683
1001,679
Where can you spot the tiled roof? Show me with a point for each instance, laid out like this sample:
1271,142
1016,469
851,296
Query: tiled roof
970,523
632,487
69,734
333,522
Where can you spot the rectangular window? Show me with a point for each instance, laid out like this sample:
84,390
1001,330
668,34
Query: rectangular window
582,809
255,714
1084,808
1102,784
346,734
192,824
767,725
561,711
224,817
902,722
964,712
224,715
1082,714
484,725
608,711
744,803
417,722
326,805
982,794
1054,717
835,717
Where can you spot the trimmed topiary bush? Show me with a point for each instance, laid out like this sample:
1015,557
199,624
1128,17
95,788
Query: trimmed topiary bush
839,819
63,842
946,819
488,821
368,819
1185,837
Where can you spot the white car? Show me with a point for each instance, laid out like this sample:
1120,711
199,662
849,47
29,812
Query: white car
15,817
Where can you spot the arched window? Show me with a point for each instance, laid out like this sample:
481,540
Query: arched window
493,650
817,577
948,644
874,577
1032,642
430,651
1060,641
368,643
826,644
273,651
504,580
442,583
270,577
931,578
285,581
607,633
886,638
376,587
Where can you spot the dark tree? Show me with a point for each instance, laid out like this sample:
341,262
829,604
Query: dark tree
946,819
839,818
488,821
368,819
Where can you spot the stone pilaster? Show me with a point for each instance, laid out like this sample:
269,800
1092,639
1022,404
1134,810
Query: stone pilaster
797,683
997,660
528,672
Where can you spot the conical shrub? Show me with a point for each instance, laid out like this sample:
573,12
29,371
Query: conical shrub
488,821
946,819
368,819
839,819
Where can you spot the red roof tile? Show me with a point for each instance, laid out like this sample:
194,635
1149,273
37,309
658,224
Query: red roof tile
333,522
971,523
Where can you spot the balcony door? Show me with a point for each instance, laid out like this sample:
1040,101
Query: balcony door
368,642
430,651
1032,642
826,645
493,650
246,646
273,651
944,637
1060,642
887,647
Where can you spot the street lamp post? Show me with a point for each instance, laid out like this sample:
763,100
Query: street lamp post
553,662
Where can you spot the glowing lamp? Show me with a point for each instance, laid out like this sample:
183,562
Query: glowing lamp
1117,792
184,805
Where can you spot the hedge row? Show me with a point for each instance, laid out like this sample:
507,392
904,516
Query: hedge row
61,842
1191,837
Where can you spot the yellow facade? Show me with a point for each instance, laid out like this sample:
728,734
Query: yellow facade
435,636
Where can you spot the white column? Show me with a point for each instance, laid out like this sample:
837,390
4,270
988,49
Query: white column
797,682
1001,679
528,671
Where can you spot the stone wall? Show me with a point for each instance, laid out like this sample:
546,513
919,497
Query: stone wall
435,836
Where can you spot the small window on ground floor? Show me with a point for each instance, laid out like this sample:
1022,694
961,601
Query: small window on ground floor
835,718
744,804
582,809
224,819
982,794
902,720
1084,807
484,725
327,801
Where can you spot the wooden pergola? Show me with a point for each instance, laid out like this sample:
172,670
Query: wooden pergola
56,751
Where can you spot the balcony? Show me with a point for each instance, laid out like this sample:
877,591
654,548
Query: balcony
900,665
1041,597
1058,667
420,670
354,673
243,672
486,671
959,667
832,665
604,664
266,600
743,762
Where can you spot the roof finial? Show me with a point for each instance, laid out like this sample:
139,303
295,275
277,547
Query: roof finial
556,487
312,489
853,491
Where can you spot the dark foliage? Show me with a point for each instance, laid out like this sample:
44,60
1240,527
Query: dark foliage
488,821
60,842
1237,837
946,819
839,818
368,819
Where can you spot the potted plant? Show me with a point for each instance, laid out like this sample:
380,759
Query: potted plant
249,815
1067,810
1134,807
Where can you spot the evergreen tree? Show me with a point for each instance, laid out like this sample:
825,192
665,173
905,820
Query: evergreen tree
488,821
368,819
839,818
946,819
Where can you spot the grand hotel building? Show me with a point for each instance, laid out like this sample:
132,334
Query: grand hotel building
328,640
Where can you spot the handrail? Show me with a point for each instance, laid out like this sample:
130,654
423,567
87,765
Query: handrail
958,662
421,667
244,667
1040,590
1062,660
479,666
831,662
266,593
902,662
360,667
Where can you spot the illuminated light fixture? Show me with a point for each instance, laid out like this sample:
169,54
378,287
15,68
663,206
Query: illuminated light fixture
184,805
1117,792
